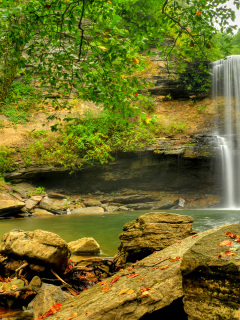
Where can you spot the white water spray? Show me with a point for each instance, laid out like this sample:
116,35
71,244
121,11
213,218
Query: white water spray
226,93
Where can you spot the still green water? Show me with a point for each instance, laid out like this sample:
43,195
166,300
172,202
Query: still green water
105,228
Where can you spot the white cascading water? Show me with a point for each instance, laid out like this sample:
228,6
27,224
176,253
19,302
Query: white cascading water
226,93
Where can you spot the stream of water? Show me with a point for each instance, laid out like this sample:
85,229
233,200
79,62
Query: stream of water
105,228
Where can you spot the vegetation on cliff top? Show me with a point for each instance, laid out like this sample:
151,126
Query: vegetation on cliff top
93,48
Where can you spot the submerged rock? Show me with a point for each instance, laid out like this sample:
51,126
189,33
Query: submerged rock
43,246
150,232
211,277
84,245
147,286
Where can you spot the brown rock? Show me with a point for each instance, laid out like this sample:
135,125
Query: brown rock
84,245
124,299
151,232
92,203
211,283
56,195
43,246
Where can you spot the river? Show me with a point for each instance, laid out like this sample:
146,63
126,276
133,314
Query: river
105,228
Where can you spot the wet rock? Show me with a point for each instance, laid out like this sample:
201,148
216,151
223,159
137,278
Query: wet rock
88,210
41,212
9,204
53,205
84,245
48,296
147,286
211,283
151,232
92,203
40,245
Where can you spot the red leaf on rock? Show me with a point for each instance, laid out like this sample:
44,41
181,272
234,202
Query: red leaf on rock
196,235
115,279
164,267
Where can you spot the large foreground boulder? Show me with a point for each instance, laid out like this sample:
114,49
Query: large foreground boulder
148,285
150,232
211,276
43,246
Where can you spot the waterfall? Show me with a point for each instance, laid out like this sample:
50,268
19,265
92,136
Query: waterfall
226,94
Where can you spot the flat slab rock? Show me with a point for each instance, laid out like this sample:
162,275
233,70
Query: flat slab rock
148,285
9,204
211,277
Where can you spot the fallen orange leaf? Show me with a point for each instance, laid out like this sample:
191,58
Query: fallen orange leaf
164,267
130,291
123,291
225,243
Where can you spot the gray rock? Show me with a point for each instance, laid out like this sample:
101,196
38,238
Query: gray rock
48,296
53,205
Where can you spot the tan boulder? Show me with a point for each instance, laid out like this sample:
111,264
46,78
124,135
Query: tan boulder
43,246
56,206
88,210
150,232
9,204
38,212
84,245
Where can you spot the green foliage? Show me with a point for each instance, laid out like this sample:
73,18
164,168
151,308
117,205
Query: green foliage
21,100
6,160
94,46
38,190
88,140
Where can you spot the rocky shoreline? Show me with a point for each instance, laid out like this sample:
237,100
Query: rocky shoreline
23,200
189,275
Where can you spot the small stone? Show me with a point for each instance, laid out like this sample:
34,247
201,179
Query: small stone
35,282
84,245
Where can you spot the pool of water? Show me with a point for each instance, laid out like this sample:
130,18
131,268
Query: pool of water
105,228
